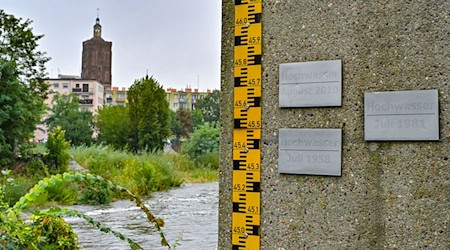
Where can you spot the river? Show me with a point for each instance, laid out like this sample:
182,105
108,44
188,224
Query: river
190,214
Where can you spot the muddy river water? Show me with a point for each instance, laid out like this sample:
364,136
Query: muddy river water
190,213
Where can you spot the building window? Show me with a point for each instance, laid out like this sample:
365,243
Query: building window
120,95
65,85
183,97
77,85
55,85
85,87
175,96
175,105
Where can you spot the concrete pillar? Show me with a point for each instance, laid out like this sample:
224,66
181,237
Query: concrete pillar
391,194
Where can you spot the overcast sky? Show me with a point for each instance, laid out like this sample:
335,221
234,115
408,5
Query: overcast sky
177,41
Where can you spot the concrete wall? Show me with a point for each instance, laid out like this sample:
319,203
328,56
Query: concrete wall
391,194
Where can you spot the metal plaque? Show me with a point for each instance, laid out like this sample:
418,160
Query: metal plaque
310,84
310,151
401,116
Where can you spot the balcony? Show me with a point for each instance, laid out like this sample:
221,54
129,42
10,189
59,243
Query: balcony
80,90
86,101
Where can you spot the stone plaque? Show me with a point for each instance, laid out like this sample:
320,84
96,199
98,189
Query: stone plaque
310,151
401,116
310,84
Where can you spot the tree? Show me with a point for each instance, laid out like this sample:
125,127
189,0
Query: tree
23,90
76,124
149,114
185,118
58,156
204,140
113,125
19,113
197,118
175,123
19,44
210,107
181,126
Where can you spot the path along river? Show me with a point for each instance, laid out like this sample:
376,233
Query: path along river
190,213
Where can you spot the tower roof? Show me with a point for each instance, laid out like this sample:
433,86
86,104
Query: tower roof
97,28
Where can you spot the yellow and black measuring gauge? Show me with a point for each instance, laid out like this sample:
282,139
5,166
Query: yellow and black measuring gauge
246,183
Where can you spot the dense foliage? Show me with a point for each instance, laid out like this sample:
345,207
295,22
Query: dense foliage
185,118
18,44
113,125
23,89
57,158
204,142
38,232
144,172
76,123
197,118
46,229
19,113
210,107
149,115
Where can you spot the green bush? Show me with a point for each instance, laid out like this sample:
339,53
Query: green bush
180,162
96,194
58,157
146,172
165,173
144,176
18,187
52,232
141,173
101,160
65,194
36,167
204,140
208,160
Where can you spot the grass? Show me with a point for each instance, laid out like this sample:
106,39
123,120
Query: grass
200,175
140,173
145,172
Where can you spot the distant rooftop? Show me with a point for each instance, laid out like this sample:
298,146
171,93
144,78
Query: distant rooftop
188,90
68,76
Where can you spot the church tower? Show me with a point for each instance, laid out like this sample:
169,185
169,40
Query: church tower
96,58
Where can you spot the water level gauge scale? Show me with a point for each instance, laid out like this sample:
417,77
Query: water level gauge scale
246,179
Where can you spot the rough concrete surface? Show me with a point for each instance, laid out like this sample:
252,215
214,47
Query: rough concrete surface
392,195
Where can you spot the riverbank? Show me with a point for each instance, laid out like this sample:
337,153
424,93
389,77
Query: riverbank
159,171
142,174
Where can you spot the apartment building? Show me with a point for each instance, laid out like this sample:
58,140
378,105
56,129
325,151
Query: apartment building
184,99
90,92
90,96
116,97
